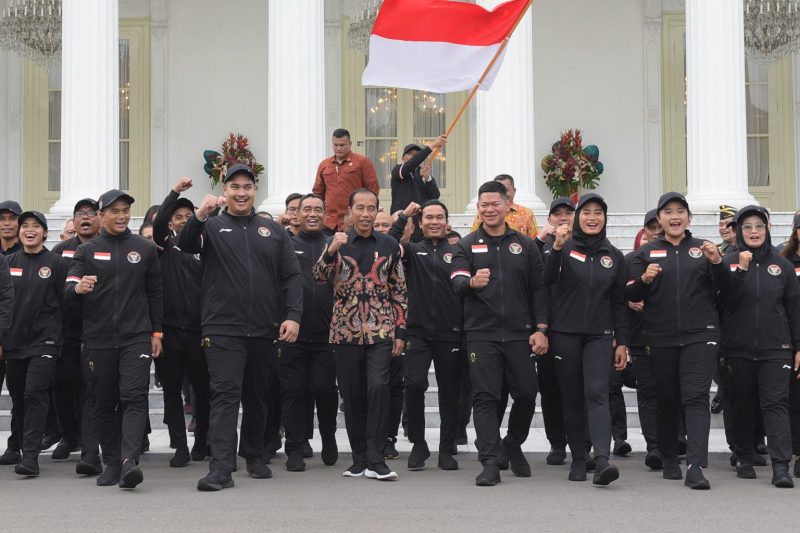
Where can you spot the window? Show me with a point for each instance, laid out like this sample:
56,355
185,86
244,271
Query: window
757,99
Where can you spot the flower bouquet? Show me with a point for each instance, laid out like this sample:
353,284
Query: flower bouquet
570,166
235,150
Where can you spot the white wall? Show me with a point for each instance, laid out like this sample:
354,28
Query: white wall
588,74
11,124
217,83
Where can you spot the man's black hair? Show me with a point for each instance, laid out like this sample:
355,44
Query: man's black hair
493,186
146,224
505,177
292,197
434,202
360,191
453,234
309,196
341,132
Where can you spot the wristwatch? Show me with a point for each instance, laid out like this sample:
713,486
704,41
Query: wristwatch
541,330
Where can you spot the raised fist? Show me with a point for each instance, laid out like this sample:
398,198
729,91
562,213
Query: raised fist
480,279
339,239
744,260
184,184
653,270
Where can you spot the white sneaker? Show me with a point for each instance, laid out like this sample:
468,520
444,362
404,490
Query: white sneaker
355,471
381,472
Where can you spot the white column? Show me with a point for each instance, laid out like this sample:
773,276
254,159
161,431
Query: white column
11,149
89,101
653,182
296,99
160,181
504,132
715,116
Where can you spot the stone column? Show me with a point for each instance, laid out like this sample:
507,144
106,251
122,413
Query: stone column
653,181
504,117
89,101
716,146
296,136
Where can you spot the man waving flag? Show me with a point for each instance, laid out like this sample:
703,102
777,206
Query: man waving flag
458,41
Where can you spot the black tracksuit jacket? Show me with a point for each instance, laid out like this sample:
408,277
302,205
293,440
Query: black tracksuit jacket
38,323
181,274
680,303
249,269
761,309
6,300
315,325
434,310
635,318
126,305
73,311
515,300
588,291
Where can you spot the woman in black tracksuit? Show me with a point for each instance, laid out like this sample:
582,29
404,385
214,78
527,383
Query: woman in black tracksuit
761,339
791,251
587,275
677,278
34,341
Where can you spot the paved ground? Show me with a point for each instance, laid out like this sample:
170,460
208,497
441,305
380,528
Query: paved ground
321,500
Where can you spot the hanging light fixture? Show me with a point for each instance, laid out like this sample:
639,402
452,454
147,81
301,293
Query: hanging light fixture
361,24
32,29
771,29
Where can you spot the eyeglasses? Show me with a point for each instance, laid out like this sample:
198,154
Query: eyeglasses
79,214
754,227
71,233
291,210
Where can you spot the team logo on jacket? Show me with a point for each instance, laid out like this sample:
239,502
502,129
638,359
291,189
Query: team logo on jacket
775,270
264,231
448,258
515,248
134,257
44,272
473,357
695,252
606,261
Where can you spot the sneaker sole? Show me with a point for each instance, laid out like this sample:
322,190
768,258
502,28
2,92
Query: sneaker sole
370,474
131,479
786,483
30,473
486,483
204,486
348,473
86,469
607,476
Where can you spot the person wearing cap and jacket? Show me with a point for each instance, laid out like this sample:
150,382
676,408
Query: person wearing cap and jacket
72,388
791,251
182,276
498,272
677,277
252,295
761,341
588,322
32,347
726,232
9,236
117,279
412,183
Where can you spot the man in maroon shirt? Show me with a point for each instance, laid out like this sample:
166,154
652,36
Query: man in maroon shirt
338,176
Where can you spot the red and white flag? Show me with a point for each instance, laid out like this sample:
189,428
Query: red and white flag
437,45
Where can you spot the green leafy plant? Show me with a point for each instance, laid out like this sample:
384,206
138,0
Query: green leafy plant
571,166
235,150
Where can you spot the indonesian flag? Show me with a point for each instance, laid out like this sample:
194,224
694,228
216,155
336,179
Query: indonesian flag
437,45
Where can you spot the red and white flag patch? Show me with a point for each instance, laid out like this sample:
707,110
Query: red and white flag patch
68,253
480,248
102,256
736,265
577,255
658,254
16,272
797,271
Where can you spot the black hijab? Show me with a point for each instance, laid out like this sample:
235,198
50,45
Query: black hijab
766,247
589,243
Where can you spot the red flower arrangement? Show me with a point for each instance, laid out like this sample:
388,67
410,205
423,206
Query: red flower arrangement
570,166
235,150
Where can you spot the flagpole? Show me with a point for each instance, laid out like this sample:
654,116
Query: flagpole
474,90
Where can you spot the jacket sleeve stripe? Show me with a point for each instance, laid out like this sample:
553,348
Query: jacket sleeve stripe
73,279
459,273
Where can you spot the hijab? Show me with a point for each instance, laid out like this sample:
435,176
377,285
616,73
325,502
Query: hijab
590,243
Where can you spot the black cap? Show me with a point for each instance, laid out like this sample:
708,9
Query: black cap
796,222
411,147
184,202
33,214
85,201
742,213
109,197
561,200
11,205
727,211
671,197
239,169
591,197
650,216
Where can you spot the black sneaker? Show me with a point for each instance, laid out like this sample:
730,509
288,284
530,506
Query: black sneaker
577,470
308,451
29,466
516,459
181,457
294,461
447,461
605,472
330,451
556,457
130,475
89,465
10,457
63,449
390,451
381,472
621,448
356,470
672,470
653,460
745,471
215,481
695,479
199,449
50,440
258,469
780,476
716,404
110,476
419,454
489,477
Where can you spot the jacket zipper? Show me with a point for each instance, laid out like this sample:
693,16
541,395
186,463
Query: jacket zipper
249,281
116,291
678,293
591,279
758,309
500,282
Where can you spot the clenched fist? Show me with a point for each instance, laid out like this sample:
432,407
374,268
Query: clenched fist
711,252
412,209
209,203
653,270
744,260
86,284
184,184
339,239
562,236
480,279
